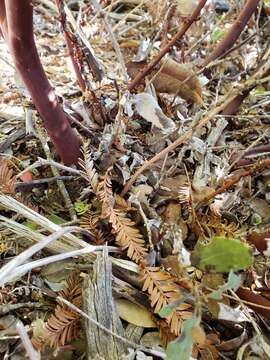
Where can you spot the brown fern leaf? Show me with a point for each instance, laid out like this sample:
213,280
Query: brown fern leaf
128,236
165,333
63,325
7,179
72,291
105,195
26,202
91,221
8,185
38,343
163,291
185,195
100,238
87,165
216,226
122,204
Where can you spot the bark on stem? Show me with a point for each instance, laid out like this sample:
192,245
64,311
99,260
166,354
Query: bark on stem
234,32
16,17
141,75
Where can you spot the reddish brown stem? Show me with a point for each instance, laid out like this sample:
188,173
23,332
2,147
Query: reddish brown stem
233,107
3,21
70,46
141,75
234,32
247,159
17,17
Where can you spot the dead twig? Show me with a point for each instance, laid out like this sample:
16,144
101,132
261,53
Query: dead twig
141,75
185,138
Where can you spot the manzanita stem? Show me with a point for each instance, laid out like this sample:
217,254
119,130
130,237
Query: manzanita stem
70,46
3,20
141,75
234,32
20,38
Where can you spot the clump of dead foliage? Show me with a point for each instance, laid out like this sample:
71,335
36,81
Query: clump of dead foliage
172,190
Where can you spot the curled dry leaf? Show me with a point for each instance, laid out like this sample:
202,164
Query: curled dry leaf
179,79
255,298
260,240
173,78
147,107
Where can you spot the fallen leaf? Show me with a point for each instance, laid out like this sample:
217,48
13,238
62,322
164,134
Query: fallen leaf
233,283
222,255
229,314
148,108
172,78
181,348
134,314
213,281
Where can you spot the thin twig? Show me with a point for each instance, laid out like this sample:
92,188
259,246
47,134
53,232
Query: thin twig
22,186
185,138
10,267
43,162
120,338
141,75
23,269
55,171
31,352
113,38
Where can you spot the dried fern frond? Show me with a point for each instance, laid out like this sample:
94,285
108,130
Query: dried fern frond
165,332
90,174
63,325
91,221
122,204
163,291
127,235
72,291
157,10
105,195
162,288
7,179
216,226
8,185
185,195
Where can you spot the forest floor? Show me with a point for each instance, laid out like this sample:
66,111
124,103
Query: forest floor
156,246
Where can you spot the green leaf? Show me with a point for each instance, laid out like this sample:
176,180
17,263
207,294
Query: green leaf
233,283
81,207
222,255
168,309
56,219
256,219
260,90
181,348
31,225
217,34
